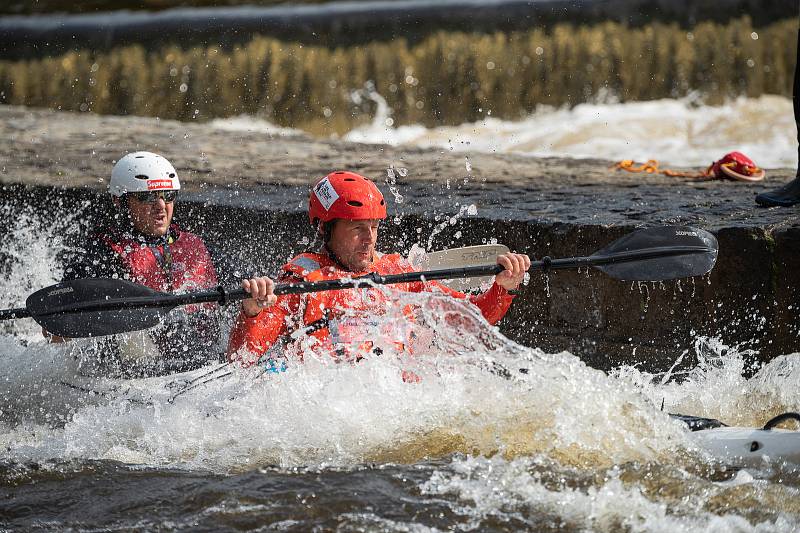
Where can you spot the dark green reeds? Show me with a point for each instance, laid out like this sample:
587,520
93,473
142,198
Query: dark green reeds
447,78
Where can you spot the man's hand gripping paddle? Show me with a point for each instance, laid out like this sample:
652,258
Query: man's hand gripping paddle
97,307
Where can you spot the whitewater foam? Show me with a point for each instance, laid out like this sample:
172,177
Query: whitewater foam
684,132
678,132
541,495
325,414
717,388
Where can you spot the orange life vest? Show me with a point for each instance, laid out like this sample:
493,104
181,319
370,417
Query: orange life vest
343,320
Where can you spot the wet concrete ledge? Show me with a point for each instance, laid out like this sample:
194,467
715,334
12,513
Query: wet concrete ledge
246,191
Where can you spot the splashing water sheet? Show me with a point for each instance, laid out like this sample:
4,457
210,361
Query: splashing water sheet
495,436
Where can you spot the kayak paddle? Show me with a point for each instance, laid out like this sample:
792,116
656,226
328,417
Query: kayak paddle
482,254
99,306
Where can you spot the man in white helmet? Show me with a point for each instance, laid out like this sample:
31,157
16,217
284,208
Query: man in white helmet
141,244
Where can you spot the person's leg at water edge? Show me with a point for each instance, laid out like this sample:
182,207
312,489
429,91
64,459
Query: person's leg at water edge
789,194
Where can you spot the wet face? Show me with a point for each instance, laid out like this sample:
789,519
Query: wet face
150,218
353,243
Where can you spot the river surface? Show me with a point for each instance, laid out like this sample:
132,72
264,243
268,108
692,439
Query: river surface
496,436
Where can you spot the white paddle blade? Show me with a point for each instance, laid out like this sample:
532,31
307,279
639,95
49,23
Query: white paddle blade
484,254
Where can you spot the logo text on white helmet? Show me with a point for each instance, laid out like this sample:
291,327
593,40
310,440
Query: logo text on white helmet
325,193
153,185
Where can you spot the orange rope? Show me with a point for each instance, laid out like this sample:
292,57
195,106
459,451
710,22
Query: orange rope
651,167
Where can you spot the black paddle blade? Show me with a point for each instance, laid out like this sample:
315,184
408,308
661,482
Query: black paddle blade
85,307
661,253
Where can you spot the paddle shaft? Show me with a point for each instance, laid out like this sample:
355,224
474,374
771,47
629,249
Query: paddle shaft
9,314
618,257
223,296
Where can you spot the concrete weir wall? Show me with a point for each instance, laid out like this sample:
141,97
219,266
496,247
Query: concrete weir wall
246,192
749,300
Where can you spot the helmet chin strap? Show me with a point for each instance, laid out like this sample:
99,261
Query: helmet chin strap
326,230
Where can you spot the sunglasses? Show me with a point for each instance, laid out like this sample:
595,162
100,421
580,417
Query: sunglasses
152,197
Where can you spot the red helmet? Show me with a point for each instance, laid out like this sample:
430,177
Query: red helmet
345,195
737,166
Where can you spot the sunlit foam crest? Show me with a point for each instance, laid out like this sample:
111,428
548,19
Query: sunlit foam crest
540,494
683,132
679,132
715,385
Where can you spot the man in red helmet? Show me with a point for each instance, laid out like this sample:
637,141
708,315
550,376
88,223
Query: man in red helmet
346,209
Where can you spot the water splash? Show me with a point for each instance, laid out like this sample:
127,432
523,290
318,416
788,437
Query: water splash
446,221
646,292
716,387
242,421
31,248
392,174
514,433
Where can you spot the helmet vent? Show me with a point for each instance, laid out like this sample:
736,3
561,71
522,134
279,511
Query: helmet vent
171,174
141,177
349,179
355,203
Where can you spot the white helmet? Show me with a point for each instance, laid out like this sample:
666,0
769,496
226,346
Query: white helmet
142,172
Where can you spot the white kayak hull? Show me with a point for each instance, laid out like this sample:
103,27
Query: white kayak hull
749,447
53,399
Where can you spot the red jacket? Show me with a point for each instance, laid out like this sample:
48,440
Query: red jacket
180,262
321,312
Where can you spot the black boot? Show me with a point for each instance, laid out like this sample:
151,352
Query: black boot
786,196
789,194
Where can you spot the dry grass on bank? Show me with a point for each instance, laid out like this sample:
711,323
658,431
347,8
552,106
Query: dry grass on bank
447,78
